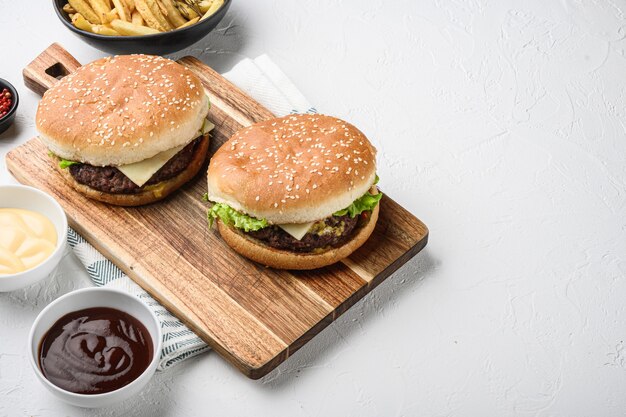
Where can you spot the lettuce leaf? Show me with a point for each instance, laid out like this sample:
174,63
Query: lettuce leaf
232,217
366,202
64,163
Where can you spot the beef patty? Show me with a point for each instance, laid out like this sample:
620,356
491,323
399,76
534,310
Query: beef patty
332,231
112,180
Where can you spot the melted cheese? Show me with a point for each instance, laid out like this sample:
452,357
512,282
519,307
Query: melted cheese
140,172
27,239
297,230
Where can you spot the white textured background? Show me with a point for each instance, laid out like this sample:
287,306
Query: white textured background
501,124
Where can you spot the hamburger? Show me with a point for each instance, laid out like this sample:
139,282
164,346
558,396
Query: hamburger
126,130
297,192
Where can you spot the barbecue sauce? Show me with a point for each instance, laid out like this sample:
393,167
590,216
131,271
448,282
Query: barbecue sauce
95,350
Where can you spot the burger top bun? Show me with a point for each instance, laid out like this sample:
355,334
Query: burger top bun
123,109
295,169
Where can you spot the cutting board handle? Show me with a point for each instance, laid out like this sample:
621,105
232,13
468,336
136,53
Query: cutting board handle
48,68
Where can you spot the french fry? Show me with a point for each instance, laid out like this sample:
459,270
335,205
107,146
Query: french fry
68,9
161,7
130,4
173,15
104,30
186,11
136,19
193,4
205,5
122,9
101,8
149,17
130,29
84,9
158,14
190,23
215,5
81,23
110,16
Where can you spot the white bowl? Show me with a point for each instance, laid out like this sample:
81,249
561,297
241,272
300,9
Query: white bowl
88,298
28,198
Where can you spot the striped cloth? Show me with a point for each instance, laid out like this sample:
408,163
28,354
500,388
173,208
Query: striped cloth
267,84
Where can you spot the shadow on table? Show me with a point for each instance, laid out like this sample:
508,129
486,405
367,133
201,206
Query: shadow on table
71,276
338,333
221,48
68,276
12,133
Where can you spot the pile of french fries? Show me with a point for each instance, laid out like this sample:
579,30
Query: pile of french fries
138,17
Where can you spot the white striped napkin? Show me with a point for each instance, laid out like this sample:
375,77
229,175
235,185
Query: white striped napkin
267,84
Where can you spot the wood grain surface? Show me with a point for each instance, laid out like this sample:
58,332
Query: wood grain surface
253,316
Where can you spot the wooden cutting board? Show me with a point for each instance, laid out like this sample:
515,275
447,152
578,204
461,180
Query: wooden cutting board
253,316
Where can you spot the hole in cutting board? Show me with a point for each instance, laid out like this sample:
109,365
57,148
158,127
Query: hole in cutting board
57,71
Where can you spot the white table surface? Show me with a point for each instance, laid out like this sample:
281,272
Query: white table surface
501,124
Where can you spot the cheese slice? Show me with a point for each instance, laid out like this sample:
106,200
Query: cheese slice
297,230
140,172
207,126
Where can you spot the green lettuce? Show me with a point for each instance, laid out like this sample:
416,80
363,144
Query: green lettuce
64,163
232,217
366,202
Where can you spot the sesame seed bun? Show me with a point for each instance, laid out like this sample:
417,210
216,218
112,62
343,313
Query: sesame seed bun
151,193
281,259
120,110
295,169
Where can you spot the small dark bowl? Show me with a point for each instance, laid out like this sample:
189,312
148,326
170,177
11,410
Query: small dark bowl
158,44
7,120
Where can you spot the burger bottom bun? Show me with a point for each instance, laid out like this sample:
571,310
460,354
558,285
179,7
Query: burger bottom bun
281,259
155,192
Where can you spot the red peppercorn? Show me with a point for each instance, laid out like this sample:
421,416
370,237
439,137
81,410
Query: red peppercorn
5,102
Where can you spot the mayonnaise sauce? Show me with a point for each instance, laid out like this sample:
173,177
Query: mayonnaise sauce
27,239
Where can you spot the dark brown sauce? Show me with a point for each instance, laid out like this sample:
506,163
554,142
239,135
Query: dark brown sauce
95,350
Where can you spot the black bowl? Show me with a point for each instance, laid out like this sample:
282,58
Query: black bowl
7,119
158,44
